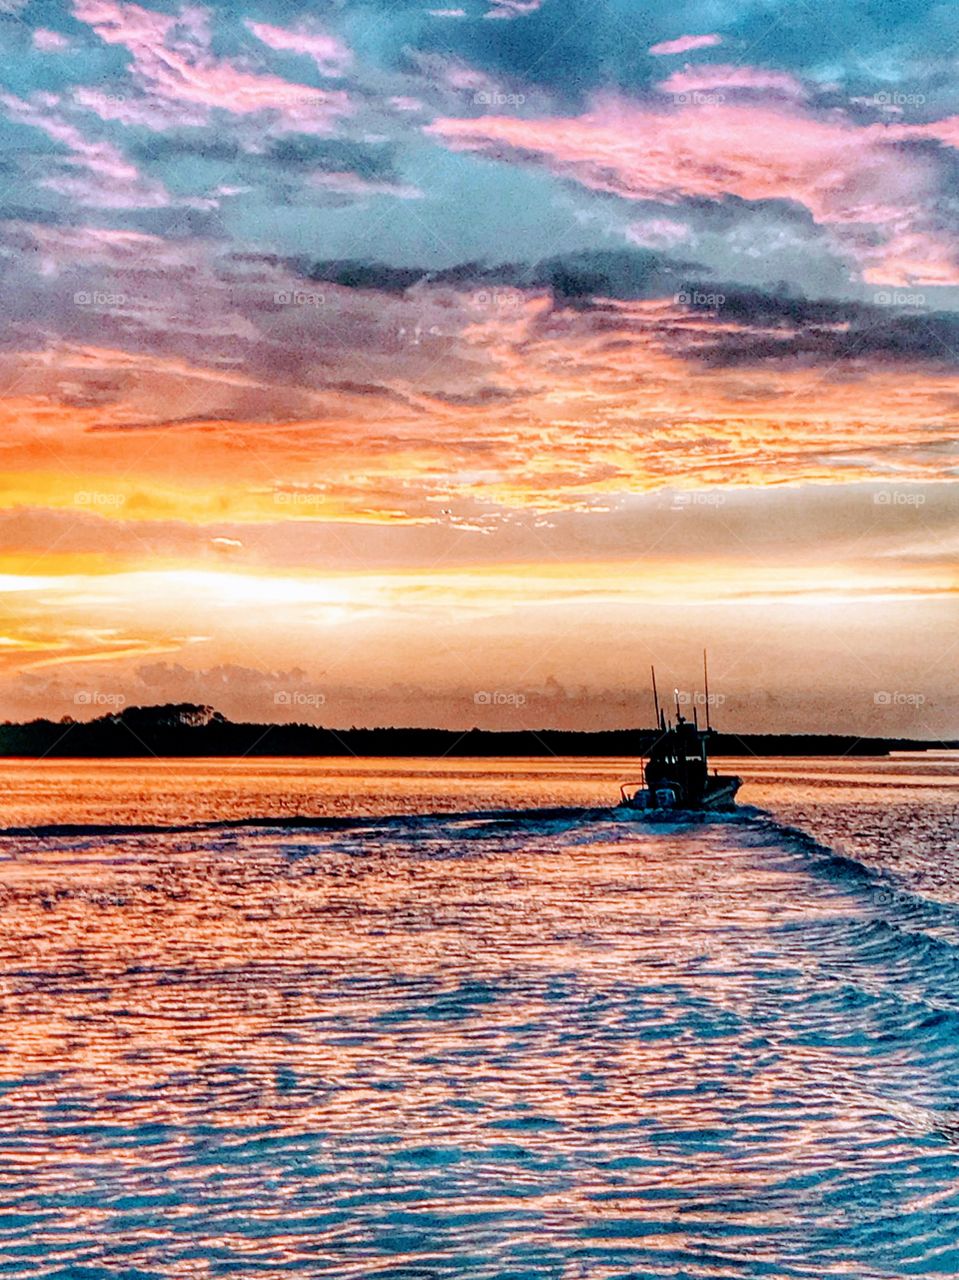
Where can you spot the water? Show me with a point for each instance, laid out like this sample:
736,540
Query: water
478,1044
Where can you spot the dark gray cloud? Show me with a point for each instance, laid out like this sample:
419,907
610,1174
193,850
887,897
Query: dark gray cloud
333,155
751,326
175,224
576,277
202,145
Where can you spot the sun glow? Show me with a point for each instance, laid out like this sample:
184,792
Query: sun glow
228,444
237,610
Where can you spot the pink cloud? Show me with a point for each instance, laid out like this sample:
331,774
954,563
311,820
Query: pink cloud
509,9
53,249
96,173
850,177
723,76
911,256
459,76
49,41
91,190
139,110
449,75
172,62
330,54
685,44
945,131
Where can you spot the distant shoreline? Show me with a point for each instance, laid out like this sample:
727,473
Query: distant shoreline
187,729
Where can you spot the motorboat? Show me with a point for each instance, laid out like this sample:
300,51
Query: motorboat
675,770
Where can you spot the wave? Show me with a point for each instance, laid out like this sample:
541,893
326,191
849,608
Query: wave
903,908
500,818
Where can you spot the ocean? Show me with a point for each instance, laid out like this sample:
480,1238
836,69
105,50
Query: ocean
384,1019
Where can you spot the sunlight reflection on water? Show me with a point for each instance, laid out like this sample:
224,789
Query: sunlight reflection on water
490,1047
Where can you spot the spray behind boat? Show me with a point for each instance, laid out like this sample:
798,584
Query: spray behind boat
675,770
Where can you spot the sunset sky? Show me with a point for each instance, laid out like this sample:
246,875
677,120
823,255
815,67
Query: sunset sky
376,363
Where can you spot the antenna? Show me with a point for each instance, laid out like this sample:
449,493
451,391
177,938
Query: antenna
655,696
706,688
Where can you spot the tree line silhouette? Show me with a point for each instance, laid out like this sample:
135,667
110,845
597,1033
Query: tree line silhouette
191,729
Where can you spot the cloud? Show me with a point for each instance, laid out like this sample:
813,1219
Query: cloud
506,10
57,249
684,44
226,546
93,173
658,233
172,61
366,392
137,110
883,200
711,76
234,371
340,166
328,52
623,273
548,628
46,41
758,327
345,183
879,520
405,103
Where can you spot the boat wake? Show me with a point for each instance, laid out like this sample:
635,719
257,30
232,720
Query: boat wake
497,1041
557,817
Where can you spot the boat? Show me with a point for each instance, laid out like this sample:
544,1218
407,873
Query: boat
675,771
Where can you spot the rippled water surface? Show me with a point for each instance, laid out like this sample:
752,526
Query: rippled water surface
432,1033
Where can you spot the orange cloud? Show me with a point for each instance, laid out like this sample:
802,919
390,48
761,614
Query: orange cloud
530,405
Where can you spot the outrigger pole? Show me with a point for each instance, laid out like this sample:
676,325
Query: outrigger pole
706,689
659,721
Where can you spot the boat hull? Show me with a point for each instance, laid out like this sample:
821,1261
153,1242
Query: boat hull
720,795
